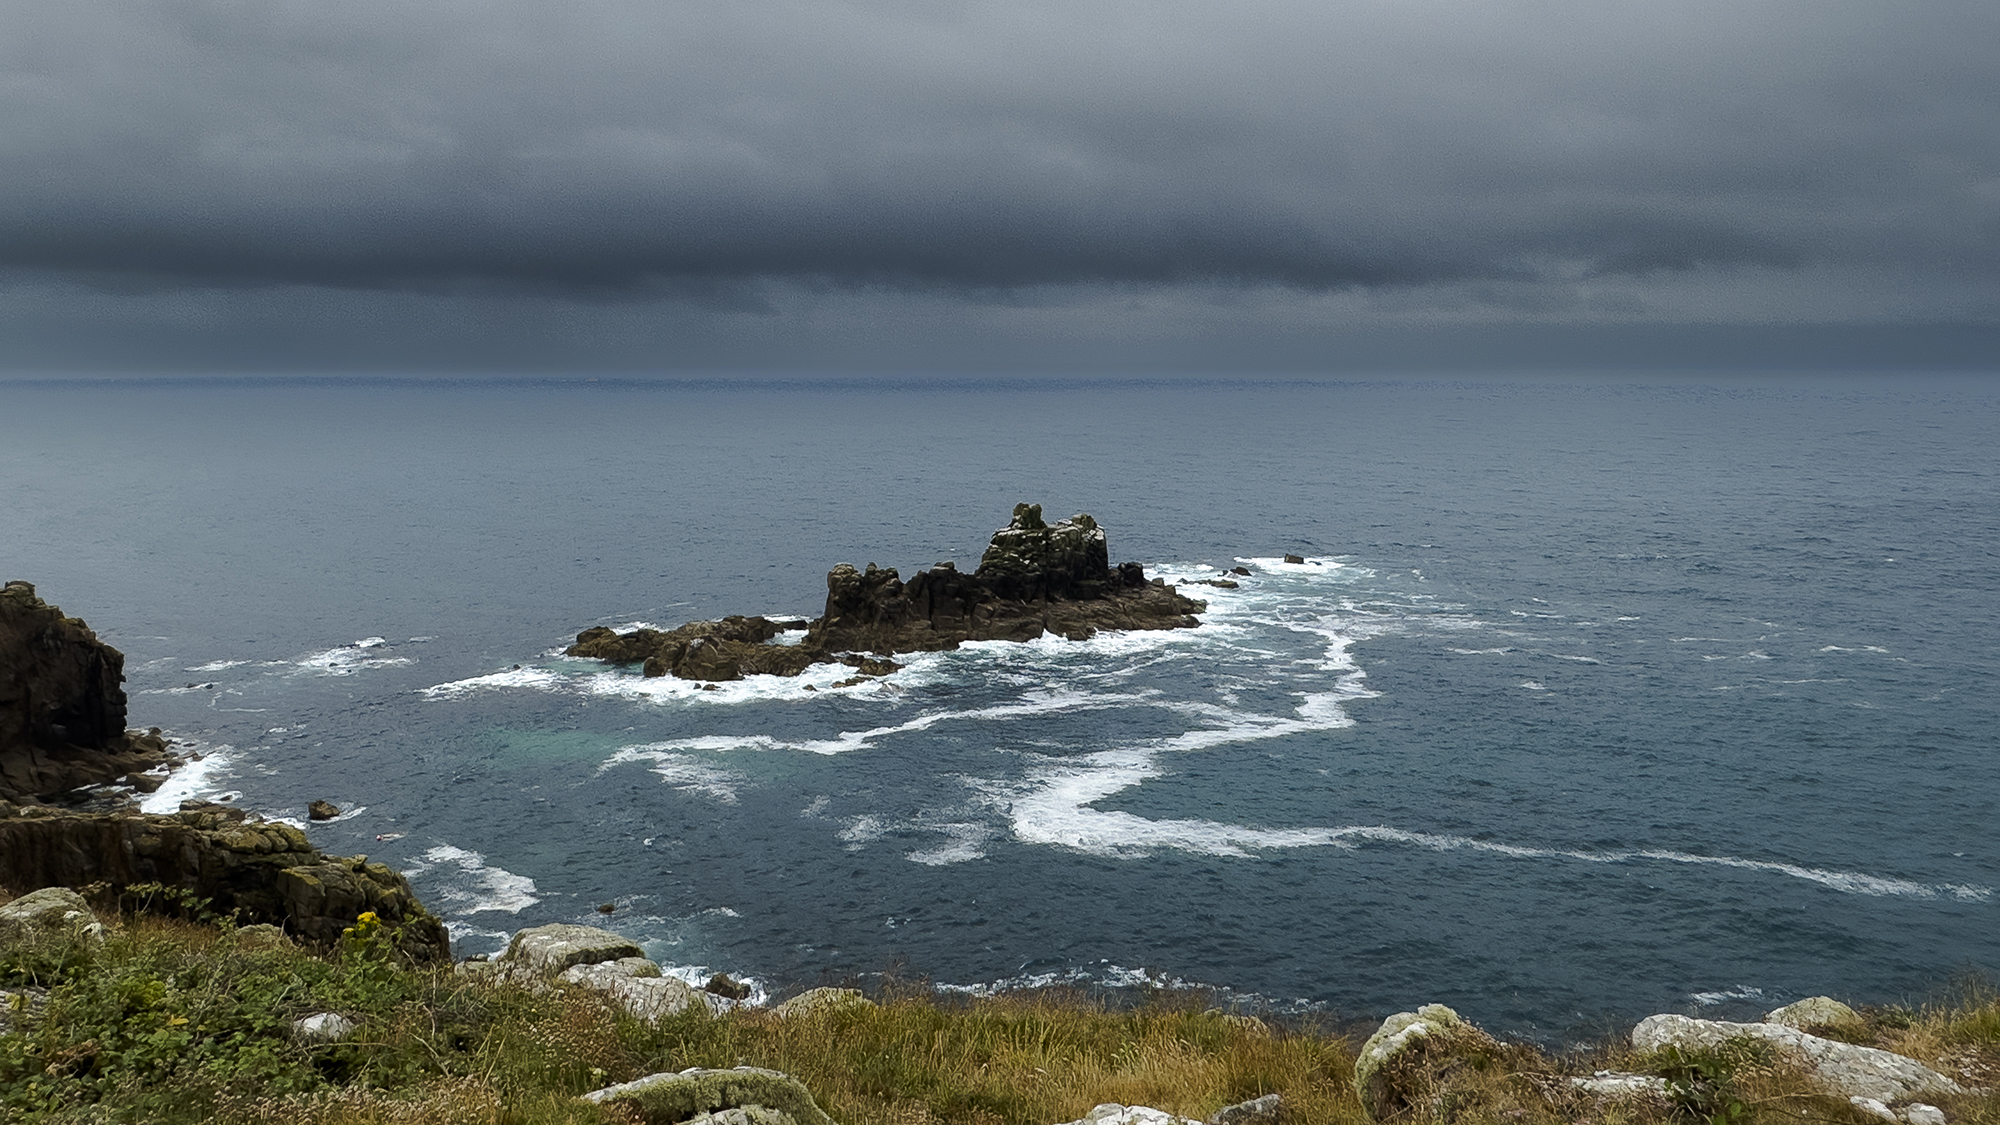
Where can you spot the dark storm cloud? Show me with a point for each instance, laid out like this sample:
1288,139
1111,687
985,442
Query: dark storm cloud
556,178
606,146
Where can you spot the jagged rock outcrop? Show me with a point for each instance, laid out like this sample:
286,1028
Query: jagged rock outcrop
265,871
62,704
1034,578
728,649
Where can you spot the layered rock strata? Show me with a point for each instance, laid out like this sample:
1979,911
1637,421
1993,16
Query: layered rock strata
266,872
62,705
1034,578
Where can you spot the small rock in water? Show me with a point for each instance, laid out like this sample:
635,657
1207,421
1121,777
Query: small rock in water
721,985
606,907
1295,559
322,810
1240,571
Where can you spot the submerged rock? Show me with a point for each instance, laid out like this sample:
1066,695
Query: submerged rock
62,705
1034,578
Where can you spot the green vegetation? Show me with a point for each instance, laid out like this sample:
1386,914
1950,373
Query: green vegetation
175,1020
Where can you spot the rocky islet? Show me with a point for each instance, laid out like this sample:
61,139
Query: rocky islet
1035,578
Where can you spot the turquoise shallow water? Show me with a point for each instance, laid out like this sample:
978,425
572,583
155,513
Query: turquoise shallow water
1592,700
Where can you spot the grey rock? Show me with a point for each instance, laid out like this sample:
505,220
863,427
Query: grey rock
261,935
1111,1113
1256,1111
19,1006
1840,1069
1917,1113
1395,1036
743,1115
1619,1084
324,1027
818,1000
1815,1011
49,909
548,950
635,985
664,1099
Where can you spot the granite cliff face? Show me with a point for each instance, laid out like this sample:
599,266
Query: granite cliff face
266,871
62,704
1034,578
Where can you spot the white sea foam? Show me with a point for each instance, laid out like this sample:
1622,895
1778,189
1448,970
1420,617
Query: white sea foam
348,659
696,976
469,886
964,841
540,679
194,781
1740,992
858,832
217,665
682,771
1055,807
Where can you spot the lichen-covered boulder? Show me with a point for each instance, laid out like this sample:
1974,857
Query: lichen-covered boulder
1815,1011
1836,1068
819,1000
764,1097
548,950
45,910
1435,1063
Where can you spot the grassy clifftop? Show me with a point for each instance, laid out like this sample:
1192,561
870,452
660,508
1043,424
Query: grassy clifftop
166,1021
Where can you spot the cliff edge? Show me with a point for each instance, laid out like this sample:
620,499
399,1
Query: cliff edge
62,704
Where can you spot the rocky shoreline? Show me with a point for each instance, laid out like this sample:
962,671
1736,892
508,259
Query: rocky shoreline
62,706
1034,578
63,735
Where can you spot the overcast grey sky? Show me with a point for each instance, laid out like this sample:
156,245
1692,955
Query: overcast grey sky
892,183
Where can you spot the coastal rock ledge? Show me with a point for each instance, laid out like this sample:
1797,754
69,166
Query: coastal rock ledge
1035,578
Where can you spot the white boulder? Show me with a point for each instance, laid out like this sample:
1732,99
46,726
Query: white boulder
1841,1069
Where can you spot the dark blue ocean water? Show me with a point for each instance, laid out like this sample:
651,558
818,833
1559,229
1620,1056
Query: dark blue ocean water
1594,699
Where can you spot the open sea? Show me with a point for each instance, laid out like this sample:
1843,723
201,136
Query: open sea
1593,699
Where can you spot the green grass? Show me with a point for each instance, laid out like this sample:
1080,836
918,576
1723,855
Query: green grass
171,1021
